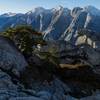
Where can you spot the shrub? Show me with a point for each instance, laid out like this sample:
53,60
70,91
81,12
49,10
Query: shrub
24,37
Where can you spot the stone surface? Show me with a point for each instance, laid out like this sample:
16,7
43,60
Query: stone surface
94,97
27,98
11,59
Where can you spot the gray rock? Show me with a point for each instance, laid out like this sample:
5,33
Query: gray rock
6,82
11,59
68,97
93,56
84,18
55,28
26,98
44,94
61,87
94,97
7,88
75,11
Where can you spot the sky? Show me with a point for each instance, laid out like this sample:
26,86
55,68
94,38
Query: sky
22,6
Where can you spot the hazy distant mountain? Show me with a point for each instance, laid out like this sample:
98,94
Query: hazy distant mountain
56,23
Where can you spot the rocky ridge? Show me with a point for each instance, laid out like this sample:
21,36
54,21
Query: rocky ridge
20,82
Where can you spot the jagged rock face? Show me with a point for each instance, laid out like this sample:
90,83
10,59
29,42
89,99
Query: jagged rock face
92,23
7,88
11,91
68,52
75,11
57,46
93,55
10,58
60,21
86,18
39,18
96,96
88,37
77,23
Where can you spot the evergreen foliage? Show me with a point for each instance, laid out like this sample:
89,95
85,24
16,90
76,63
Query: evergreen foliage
24,37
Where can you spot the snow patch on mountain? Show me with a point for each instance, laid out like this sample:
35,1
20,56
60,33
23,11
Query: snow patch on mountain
88,19
56,16
10,14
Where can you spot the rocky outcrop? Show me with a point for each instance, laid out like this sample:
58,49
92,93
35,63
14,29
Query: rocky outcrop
45,91
95,96
11,60
55,90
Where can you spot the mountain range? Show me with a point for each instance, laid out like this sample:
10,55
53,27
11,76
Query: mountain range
56,23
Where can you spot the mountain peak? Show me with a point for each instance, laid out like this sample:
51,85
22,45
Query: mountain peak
36,10
92,10
9,14
90,7
57,8
75,11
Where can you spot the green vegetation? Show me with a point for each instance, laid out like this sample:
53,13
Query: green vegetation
24,37
27,39
50,57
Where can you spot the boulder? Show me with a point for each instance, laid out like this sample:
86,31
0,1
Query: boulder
44,94
94,97
8,88
68,97
11,60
